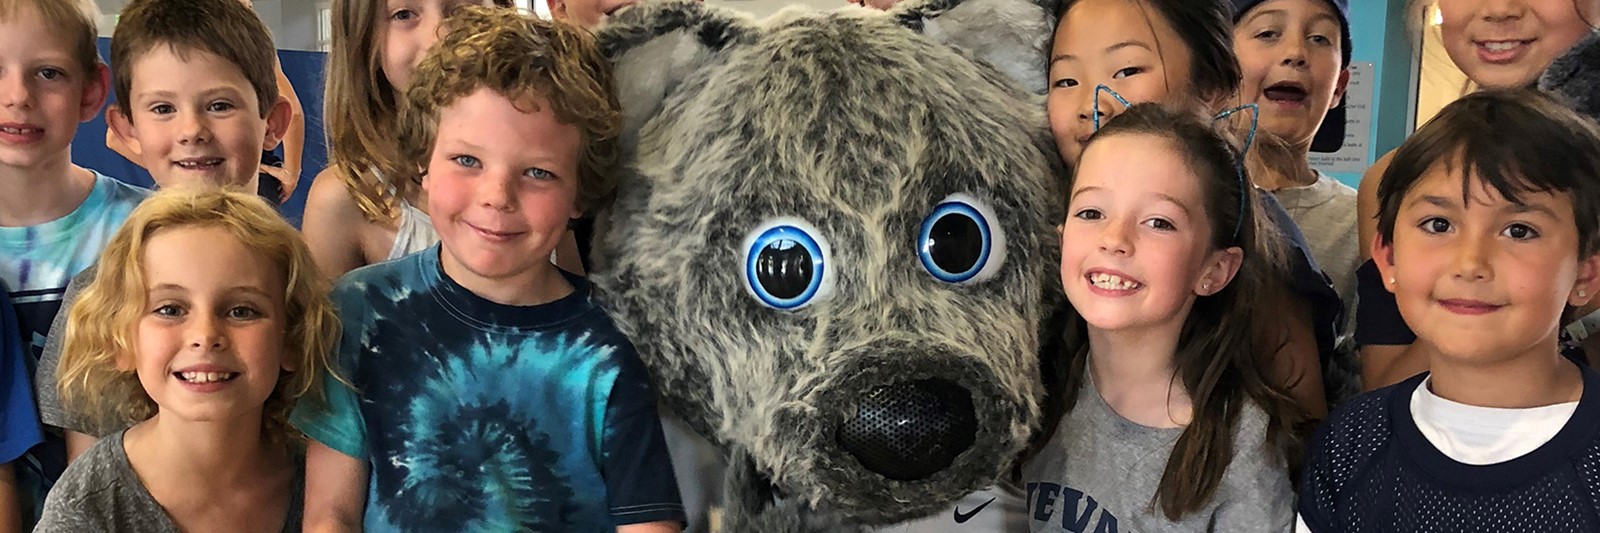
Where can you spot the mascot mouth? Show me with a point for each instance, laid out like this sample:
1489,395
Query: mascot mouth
910,431
901,424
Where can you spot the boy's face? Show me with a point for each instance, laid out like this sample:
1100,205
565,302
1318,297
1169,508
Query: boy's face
1290,53
44,92
1120,44
1485,280
502,184
1509,43
195,120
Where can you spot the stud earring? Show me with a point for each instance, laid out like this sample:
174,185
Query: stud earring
1582,293
1391,281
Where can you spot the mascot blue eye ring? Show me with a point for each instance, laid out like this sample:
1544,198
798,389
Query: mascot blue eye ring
787,264
959,242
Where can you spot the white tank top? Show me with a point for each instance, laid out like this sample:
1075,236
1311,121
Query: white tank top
415,233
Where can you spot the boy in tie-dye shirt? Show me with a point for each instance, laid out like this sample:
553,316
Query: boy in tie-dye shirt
54,216
491,393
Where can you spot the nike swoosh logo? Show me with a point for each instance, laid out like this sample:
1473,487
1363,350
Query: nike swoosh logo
962,518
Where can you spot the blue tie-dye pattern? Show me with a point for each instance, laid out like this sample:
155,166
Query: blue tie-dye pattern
36,262
473,424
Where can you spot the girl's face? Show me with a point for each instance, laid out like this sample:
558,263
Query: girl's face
406,29
1136,246
210,341
1509,43
1122,44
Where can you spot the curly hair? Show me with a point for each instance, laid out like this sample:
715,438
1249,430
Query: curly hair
530,62
101,323
360,107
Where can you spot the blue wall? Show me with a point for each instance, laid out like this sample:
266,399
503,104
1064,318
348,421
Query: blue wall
1379,34
304,70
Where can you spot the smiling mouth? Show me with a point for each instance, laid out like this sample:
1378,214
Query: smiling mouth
205,377
199,163
21,131
1112,282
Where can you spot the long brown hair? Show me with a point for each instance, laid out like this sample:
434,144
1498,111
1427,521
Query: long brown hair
359,111
1219,355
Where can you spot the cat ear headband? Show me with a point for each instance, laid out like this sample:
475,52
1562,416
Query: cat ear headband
1249,140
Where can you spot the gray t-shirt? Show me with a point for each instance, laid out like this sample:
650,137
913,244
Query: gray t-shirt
1099,473
1326,214
51,412
101,492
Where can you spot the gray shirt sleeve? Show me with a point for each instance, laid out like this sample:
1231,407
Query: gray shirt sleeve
51,412
101,492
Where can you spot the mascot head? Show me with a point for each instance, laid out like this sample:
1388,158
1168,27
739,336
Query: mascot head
833,238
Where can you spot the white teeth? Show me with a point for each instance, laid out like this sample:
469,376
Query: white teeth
19,131
1501,46
206,377
1112,282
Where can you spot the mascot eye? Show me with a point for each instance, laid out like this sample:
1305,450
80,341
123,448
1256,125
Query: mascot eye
786,264
960,241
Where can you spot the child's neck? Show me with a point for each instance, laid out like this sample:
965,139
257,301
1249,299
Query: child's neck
540,284
46,192
1299,174
1536,378
1135,374
200,455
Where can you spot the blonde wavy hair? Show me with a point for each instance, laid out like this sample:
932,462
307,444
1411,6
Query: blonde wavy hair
529,61
101,324
360,110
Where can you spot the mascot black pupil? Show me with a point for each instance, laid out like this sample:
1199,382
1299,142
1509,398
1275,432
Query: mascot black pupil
955,243
784,269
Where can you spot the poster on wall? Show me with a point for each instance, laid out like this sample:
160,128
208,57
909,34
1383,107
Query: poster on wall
1354,157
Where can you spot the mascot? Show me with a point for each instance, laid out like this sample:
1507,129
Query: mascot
833,245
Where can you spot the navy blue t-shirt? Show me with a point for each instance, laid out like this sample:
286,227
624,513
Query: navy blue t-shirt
1370,469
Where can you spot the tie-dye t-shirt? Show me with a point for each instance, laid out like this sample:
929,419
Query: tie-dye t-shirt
38,261
477,416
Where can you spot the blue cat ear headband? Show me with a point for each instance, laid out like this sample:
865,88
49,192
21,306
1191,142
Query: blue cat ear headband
1249,140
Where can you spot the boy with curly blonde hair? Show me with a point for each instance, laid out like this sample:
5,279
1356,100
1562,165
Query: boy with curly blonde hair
494,394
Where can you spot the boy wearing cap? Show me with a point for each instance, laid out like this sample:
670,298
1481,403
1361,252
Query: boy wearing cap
1295,58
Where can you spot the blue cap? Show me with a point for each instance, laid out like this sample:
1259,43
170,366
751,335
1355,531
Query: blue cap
1330,135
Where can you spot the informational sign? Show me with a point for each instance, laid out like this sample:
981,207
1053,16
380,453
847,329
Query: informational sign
1353,157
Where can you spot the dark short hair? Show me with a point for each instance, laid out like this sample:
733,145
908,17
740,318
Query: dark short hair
225,28
1516,140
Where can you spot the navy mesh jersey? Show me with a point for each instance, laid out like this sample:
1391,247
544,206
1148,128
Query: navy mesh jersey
1371,469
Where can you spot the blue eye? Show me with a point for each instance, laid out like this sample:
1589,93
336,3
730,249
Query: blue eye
786,264
960,242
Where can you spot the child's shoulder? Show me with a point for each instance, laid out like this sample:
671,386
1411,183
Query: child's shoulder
1365,416
119,192
99,469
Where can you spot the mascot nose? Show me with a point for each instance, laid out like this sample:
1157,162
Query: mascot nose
912,430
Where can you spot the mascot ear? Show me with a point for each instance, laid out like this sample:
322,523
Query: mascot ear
655,45
1013,36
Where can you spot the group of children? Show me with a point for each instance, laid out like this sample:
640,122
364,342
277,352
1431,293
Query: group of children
203,366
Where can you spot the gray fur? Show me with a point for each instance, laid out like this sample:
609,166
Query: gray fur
1575,77
859,125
